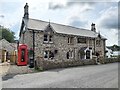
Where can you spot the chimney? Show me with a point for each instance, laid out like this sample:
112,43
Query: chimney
26,14
93,27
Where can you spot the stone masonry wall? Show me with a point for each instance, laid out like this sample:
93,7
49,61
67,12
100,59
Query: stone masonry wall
46,64
60,43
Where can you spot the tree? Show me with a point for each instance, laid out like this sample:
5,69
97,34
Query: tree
5,33
114,48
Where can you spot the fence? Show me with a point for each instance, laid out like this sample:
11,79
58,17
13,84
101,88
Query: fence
9,56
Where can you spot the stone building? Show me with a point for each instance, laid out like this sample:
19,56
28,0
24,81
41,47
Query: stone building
56,42
8,51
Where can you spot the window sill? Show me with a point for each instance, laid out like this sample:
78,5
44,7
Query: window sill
48,59
81,43
70,44
46,42
98,46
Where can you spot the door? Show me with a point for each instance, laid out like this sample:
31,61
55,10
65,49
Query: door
87,54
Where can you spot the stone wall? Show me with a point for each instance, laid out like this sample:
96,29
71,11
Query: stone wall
100,48
46,64
112,60
60,44
27,38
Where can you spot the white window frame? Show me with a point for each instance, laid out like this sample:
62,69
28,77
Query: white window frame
98,43
48,55
48,38
70,40
71,54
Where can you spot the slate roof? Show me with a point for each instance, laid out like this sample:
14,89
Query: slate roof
5,45
59,28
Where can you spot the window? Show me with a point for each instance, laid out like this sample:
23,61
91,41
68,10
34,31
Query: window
45,37
98,43
48,54
70,40
81,40
51,55
48,38
69,54
22,55
90,41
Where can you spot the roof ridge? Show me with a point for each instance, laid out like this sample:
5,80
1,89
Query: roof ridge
61,24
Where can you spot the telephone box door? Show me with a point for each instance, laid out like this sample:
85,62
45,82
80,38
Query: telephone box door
22,55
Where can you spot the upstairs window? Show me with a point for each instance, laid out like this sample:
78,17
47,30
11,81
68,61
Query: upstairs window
48,38
90,41
45,37
81,40
98,43
70,40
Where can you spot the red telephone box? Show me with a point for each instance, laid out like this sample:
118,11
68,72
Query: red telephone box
22,55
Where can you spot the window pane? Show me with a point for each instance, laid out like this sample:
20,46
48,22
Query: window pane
46,54
67,55
81,40
70,40
98,43
50,38
45,38
23,55
51,55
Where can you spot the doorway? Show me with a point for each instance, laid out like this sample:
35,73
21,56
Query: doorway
88,54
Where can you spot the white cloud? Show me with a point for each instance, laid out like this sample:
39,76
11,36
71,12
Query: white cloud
109,18
72,13
112,37
108,24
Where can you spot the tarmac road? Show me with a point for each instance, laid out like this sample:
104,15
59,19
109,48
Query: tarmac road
91,76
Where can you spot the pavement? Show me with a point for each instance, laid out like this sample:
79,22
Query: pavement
90,76
4,67
8,69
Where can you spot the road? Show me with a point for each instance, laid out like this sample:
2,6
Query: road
91,76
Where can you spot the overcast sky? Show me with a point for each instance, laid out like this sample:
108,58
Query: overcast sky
69,12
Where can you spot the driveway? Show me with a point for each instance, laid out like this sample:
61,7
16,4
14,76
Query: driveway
91,76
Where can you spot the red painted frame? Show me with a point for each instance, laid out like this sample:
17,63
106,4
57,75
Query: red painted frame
19,61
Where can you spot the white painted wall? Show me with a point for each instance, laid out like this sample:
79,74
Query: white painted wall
109,54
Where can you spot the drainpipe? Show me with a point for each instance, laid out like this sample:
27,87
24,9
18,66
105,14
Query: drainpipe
94,45
33,45
32,62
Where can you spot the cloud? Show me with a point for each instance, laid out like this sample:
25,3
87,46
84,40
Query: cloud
109,18
67,4
77,22
55,6
108,24
112,37
2,16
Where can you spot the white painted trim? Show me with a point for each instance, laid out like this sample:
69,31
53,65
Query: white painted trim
90,52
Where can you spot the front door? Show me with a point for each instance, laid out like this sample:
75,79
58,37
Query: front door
87,54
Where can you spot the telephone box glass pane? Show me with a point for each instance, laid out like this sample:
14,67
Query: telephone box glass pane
22,55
